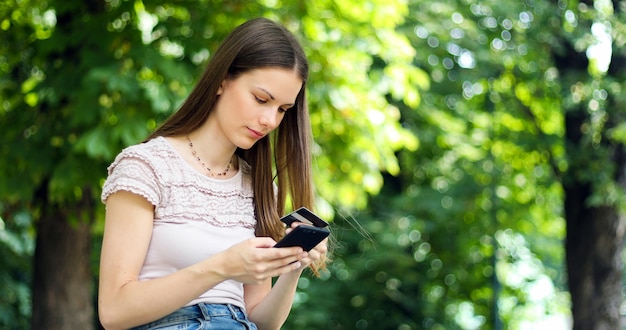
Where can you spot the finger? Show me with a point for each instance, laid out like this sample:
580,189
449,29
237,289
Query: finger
296,224
279,267
322,247
283,252
290,267
293,225
318,253
290,259
312,257
263,242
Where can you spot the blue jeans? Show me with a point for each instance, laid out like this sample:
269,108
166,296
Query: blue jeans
203,316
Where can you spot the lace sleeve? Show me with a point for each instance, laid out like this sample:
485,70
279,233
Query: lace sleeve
133,173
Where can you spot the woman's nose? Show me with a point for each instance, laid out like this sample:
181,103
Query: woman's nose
270,118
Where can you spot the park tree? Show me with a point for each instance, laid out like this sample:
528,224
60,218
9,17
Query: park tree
594,184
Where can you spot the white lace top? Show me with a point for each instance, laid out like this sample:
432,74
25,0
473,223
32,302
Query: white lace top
194,216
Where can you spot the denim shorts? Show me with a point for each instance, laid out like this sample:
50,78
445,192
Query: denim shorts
203,316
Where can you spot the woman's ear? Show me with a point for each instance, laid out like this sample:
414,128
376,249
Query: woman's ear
221,89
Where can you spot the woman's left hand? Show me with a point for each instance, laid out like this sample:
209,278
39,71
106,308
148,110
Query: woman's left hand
315,254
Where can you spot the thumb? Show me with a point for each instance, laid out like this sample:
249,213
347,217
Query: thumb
263,242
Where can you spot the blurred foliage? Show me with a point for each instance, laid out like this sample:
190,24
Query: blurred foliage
438,128
16,248
482,196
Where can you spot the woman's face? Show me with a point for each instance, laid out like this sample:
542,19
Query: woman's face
253,104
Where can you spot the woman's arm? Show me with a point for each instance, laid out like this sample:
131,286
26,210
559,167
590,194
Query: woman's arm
268,307
125,302
273,304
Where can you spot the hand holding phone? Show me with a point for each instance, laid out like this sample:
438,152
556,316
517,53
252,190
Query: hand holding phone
306,236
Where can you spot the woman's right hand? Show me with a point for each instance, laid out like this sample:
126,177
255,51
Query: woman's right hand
254,260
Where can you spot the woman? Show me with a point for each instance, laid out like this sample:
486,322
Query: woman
192,213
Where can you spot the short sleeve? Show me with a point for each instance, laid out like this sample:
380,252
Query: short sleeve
133,173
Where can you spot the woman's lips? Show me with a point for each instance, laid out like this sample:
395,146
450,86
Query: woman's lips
255,134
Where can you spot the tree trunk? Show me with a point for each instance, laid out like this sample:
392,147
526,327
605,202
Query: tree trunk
594,246
595,234
63,283
63,293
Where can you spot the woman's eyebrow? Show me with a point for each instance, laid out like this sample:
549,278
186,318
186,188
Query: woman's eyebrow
272,96
267,92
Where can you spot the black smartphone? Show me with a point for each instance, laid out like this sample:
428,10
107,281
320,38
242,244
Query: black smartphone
304,236
309,234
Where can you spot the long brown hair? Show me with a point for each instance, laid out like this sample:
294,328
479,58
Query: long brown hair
256,44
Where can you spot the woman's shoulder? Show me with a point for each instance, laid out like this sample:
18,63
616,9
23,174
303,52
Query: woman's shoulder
154,147
140,169
155,153
155,150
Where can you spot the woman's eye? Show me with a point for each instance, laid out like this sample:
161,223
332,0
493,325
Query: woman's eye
260,100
